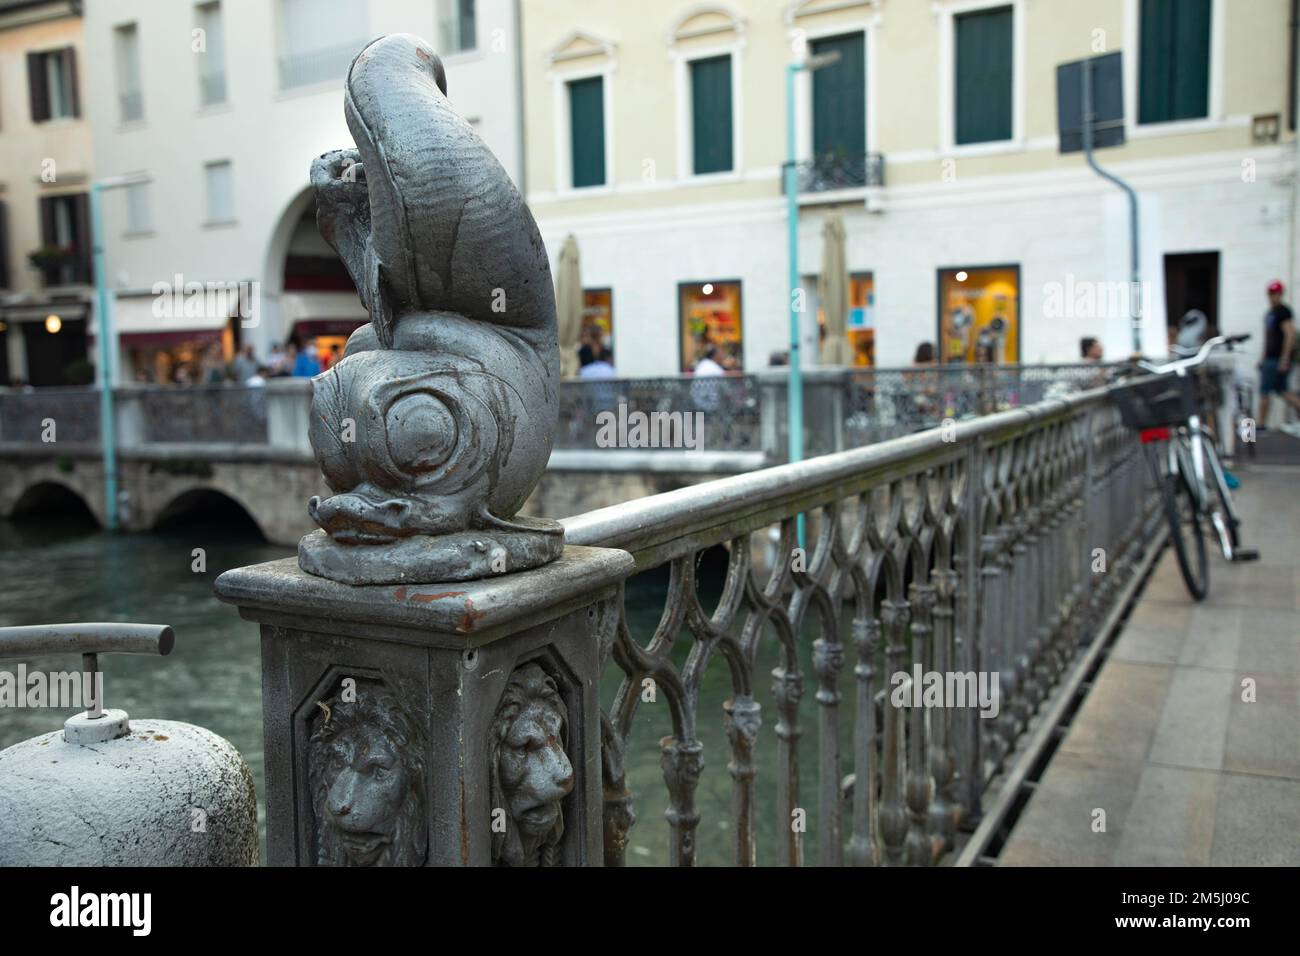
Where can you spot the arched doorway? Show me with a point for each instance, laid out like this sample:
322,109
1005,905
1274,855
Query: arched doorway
318,304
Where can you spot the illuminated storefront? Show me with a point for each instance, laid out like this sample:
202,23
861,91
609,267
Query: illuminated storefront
979,314
598,310
709,313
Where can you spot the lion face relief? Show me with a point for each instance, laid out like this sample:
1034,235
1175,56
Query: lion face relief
530,768
367,784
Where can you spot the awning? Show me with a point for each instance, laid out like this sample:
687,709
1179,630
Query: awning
314,327
149,321
298,307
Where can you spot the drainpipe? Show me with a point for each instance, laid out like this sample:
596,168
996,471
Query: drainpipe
1135,273
521,126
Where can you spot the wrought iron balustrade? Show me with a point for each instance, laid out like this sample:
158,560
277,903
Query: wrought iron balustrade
967,552
204,415
829,171
74,413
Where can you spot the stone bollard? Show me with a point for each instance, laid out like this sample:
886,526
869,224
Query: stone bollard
447,725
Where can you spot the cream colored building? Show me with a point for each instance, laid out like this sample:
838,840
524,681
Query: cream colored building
964,205
45,171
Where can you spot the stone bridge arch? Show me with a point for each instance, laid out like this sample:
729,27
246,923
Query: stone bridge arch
21,480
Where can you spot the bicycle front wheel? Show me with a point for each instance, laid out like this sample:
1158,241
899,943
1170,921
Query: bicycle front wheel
1187,533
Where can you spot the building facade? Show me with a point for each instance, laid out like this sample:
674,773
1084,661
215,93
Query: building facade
213,112
45,252
656,135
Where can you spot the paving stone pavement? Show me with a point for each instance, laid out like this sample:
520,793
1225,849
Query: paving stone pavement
1188,773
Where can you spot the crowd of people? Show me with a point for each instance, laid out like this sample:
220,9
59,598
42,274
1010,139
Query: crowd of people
210,367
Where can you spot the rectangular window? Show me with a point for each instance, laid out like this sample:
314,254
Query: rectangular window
1174,60
711,324
4,249
130,96
65,239
318,39
457,26
587,131
221,192
978,314
839,91
711,131
212,61
598,314
138,219
52,84
985,57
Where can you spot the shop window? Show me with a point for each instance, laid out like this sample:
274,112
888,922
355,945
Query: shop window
710,317
711,119
1174,60
979,314
587,131
598,311
985,57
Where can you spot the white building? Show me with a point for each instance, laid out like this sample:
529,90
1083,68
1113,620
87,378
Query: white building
217,108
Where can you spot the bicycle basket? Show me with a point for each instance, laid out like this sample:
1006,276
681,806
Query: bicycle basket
1157,403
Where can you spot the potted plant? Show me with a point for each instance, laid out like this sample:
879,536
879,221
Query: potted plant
50,260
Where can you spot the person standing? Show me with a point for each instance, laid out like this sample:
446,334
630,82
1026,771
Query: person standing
1275,367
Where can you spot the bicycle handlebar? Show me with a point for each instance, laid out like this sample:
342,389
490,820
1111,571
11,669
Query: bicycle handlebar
1199,358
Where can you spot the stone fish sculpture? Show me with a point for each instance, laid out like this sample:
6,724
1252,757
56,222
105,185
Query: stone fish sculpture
452,388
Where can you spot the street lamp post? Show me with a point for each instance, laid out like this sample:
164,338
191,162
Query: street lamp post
107,342
794,398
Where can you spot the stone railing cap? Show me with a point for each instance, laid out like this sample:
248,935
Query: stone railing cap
463,613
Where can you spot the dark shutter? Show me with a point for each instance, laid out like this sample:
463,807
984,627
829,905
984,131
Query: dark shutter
587,131
70,71
37,88
983,74
49,232
839,99
711,114
4,246
1174,60
82,237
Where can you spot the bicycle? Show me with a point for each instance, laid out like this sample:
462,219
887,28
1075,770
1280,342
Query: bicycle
1164,409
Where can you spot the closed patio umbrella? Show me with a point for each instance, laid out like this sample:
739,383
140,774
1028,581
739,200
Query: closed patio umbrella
568,306
833,290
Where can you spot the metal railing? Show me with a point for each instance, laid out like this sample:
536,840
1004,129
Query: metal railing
963,551
744,415
829,171
204,414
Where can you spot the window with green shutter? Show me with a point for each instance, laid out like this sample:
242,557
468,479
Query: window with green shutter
985,60
587,131
839,93
711,114
1174,60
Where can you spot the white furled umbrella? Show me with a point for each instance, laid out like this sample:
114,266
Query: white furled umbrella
568,306
833,290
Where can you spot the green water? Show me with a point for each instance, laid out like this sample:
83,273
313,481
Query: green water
63,570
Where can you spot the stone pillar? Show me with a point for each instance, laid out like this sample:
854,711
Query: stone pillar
436,724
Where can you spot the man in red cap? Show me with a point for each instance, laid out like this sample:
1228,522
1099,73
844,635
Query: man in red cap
1279,337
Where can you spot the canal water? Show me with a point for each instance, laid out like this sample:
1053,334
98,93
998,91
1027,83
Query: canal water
60,569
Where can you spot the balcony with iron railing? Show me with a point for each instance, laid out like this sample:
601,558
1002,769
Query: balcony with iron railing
835,171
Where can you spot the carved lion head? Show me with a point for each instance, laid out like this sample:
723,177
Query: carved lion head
366,773
530,770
